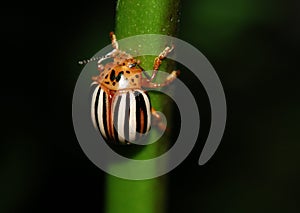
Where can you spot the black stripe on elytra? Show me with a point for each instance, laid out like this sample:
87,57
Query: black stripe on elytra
104,113
144,111
96,108
115,119
138,113
126,119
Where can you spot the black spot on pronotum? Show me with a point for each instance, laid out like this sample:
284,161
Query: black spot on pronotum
128,72
137,76
106,82
112,75
123,64
114,83
119,76
106,76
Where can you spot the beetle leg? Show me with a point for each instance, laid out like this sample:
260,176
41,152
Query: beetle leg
168,80
158,61
100,67
114,42
145,73
157,121
111,54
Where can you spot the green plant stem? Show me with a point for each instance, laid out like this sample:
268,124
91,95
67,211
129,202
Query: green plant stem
135,17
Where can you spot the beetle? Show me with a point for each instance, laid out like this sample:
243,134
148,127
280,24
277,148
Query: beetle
120,109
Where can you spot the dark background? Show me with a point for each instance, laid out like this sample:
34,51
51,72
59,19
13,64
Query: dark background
253,45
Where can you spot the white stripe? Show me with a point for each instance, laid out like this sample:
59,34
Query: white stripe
100,113
113,109
121,118
132,118
93,107
147,102
93,83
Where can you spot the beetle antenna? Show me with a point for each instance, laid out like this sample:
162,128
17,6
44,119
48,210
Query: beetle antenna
89,60
100,59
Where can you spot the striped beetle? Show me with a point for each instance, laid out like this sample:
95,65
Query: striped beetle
120,109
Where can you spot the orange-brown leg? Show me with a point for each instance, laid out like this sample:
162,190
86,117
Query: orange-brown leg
100,67
115,45
157,121
146,83
114,42
158,61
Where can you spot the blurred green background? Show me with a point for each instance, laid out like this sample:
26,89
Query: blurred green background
252,44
